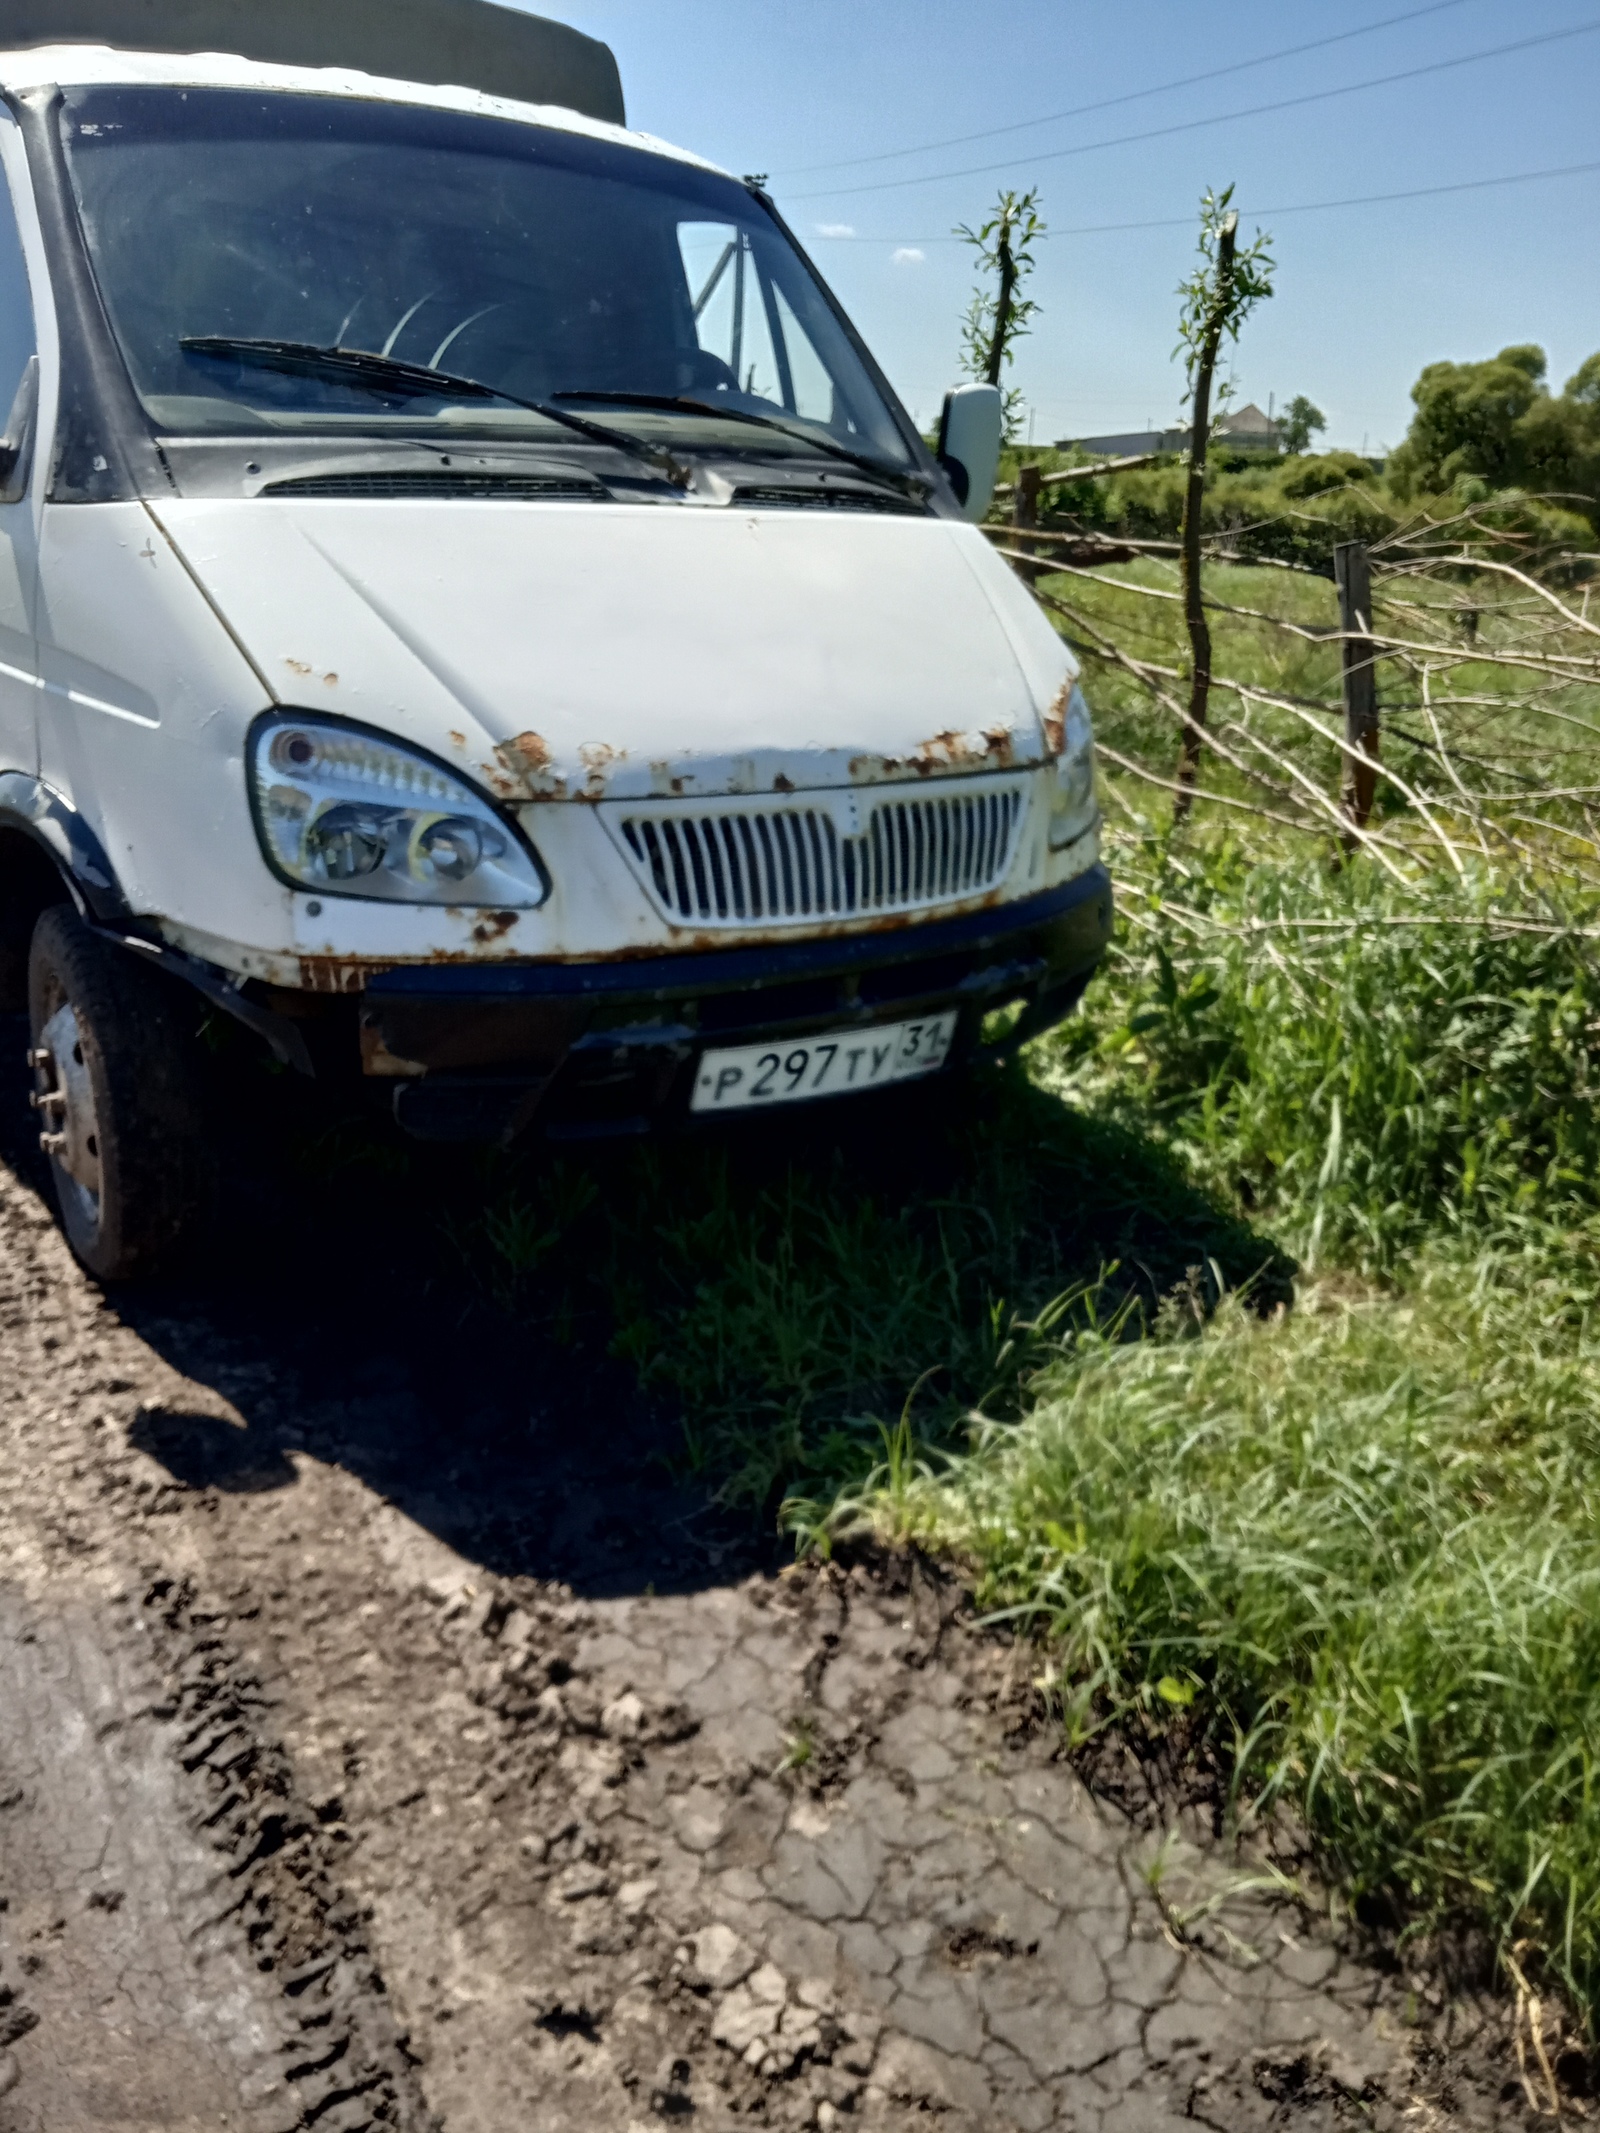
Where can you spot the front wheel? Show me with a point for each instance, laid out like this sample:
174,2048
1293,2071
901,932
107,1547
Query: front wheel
117,1089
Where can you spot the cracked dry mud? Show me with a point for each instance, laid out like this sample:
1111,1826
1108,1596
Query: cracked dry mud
354,1774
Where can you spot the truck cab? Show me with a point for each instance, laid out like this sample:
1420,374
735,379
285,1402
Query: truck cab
473,612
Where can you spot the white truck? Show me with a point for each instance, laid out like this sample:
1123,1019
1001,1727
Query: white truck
473,612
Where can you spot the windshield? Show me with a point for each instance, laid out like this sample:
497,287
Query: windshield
545,264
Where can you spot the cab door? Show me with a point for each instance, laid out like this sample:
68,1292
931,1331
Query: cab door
19,546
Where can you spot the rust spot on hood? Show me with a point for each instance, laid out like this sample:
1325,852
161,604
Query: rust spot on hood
940,749
597,758
531,750
782,784
993,748
525,772
1055,720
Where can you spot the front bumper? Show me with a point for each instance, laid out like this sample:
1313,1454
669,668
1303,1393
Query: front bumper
574,1049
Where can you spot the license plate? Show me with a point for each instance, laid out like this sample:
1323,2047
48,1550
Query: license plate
830,1065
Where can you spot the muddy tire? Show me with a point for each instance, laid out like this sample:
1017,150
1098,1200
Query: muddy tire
118,1094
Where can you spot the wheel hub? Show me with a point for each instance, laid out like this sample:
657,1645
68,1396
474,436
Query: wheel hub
64,1094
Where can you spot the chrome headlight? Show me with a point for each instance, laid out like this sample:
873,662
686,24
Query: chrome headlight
1072,804
349,812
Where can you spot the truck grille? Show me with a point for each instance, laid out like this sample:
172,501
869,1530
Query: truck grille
782,862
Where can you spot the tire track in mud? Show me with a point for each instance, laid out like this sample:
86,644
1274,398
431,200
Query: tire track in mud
346,2064
408,1840
215,1947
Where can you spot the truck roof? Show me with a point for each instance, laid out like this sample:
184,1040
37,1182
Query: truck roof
471,44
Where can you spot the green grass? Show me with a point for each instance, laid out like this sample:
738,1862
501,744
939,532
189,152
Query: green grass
1382,1069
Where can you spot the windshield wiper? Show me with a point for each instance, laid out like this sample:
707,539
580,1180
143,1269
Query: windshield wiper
415,381
908,484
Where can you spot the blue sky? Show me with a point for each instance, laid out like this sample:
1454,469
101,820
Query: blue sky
1365,295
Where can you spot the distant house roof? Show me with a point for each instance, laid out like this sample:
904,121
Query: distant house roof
1249,422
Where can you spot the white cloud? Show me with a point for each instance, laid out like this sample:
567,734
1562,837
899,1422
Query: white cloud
835,229
909,256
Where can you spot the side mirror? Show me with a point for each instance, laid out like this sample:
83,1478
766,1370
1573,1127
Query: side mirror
970,424
16,446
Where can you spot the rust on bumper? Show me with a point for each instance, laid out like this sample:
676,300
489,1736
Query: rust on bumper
578,1049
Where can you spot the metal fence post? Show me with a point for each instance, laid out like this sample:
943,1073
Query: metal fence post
1352,572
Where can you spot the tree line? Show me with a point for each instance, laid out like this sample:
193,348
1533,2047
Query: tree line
1481,431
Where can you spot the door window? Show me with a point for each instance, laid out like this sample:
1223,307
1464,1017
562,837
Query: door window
18,339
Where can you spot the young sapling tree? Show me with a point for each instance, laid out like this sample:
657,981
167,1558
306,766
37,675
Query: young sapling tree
1217,299
999,315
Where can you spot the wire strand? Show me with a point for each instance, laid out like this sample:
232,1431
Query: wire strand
1131,96
1299,207
1220,118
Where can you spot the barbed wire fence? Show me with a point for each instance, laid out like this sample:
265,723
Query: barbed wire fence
1462,726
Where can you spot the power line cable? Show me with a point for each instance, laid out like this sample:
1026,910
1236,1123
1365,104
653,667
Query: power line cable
1154,133
1131,96
1298,207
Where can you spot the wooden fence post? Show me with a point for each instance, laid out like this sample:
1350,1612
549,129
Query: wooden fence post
1025,513
1352,573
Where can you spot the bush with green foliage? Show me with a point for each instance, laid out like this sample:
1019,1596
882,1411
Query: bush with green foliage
1483,432
1481,428
1295,510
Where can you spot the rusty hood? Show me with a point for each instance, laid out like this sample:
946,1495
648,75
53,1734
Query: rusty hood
589,650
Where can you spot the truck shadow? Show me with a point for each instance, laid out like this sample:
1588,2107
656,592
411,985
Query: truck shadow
441,1323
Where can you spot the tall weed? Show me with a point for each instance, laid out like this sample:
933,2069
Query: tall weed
1375,1067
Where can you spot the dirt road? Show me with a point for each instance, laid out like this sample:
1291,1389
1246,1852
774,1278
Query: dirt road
386,1741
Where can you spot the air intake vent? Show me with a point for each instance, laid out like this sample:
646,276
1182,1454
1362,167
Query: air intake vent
784,862
805,499
427,481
